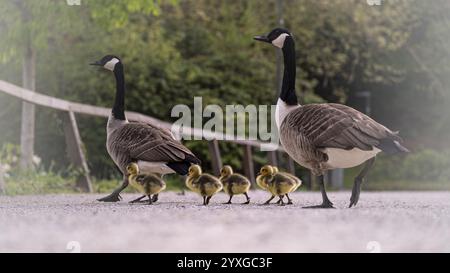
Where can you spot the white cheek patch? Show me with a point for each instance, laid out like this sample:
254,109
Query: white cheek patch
279,42
111,64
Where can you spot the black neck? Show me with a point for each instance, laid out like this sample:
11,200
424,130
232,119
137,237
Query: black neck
287,93
118,110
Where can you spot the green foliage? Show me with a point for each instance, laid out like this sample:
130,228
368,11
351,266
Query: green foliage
421,170
33,182
116,14
425,165
32,23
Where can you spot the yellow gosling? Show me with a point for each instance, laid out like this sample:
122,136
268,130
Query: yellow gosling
202,183
297,180
234,183
278,184
147,184
261,180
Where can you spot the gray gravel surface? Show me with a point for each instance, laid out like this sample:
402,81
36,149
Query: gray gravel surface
382,221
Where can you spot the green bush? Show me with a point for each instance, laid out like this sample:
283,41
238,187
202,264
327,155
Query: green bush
33,182
425,165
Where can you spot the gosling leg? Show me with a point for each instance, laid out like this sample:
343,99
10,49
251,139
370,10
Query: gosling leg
359,180
150,200
229,200
248,199
155,198
279,200
207,200
204,201
289,200
137,199
282,202
268,201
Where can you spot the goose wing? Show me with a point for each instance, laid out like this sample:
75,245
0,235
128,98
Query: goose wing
338,126
150,143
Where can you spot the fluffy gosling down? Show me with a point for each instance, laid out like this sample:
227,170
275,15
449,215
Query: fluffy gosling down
234,183
296,179
202,183
277,183
148,184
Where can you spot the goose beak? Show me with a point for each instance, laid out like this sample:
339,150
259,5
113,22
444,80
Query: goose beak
261,39
97,63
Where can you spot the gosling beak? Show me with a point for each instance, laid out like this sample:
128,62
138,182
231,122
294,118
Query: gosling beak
261,38
97,63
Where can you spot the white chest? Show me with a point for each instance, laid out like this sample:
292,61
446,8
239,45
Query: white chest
282,110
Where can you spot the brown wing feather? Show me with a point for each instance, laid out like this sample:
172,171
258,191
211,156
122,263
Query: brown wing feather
336,126
149,143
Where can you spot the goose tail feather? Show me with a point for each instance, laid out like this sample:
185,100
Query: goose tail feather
182,167
391,146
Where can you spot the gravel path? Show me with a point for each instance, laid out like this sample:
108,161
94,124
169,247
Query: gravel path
382,221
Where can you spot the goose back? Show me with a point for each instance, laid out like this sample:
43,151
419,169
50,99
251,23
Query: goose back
327,136
143,142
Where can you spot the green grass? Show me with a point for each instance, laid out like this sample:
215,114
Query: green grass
393,185
51,183
39,183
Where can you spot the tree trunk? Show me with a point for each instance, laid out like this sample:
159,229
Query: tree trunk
28,112
2,181
74,147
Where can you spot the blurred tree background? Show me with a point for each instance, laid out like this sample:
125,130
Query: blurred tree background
175,50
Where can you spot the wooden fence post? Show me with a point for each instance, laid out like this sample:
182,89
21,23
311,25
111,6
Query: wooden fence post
216,160
291,165
2,181
75,151
335,178
249,169
312,181
272,158
28,110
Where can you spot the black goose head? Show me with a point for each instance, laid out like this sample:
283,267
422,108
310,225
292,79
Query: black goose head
276,37
109,62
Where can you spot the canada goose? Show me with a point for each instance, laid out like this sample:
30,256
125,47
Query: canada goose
278,184
234,183
154,149
298,183
202,183
325,136
148,184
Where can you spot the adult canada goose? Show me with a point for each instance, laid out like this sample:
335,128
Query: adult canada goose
202,183
149,184
154,149
278,184
234,183
325,136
